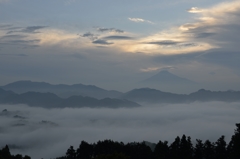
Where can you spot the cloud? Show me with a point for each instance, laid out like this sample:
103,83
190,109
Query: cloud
170,43
18,55
90,35
110,30
29,29
194,10
3,26
20,43
149,69
137,20
48,133
116,37
13,36
216,27
164,43
102,42
152,69
204,35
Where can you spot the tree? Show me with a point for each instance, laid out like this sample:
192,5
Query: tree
26,157
234,145
208,150
71,153
5,153
85,151
161,150
175,148
220,148
138,151
186,150
198,150
113,156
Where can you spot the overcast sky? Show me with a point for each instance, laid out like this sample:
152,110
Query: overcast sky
113,44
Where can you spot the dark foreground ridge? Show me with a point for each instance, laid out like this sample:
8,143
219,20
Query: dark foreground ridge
181,148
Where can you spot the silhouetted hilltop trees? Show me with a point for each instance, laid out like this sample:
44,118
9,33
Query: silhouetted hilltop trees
5,154
180,148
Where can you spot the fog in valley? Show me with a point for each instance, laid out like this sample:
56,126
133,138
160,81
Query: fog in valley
48,133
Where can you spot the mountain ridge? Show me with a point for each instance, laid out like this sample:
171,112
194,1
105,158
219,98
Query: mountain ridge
62,90
148,95
165,77
50,100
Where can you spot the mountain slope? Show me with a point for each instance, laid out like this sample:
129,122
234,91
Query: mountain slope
148,95
153,96
165,77
61,90
50,100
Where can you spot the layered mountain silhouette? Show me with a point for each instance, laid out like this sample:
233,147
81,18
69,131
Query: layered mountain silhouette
148,95
43,94
61,90
165,77
50,100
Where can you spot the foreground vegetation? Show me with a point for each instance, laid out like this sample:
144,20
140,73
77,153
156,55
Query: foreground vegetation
181,148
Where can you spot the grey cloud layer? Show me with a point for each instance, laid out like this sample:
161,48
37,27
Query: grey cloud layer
51,132
110,30
20,38
116,37
29,29
102,42
172,43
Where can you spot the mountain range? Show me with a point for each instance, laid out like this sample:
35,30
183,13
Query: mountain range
62,90
148,95
50,100
43,95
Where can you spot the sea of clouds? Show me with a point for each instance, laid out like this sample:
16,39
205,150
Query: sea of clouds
48,133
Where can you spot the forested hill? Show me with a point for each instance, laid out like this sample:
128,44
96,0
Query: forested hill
50,100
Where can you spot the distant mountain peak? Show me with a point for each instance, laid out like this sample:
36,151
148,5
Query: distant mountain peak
165,77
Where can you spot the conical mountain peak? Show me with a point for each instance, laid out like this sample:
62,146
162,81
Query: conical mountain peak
165,77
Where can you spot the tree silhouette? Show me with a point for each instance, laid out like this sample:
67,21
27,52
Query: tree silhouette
234,145
113,156
5,153
186,148
85,151
220,148
71,153
175,149
208,150
198,150
161,150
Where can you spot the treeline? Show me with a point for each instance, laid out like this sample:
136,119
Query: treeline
181,148
5,154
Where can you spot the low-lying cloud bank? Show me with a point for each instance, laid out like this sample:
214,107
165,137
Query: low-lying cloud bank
37,131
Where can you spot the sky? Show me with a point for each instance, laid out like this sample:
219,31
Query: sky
116,44
48,133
